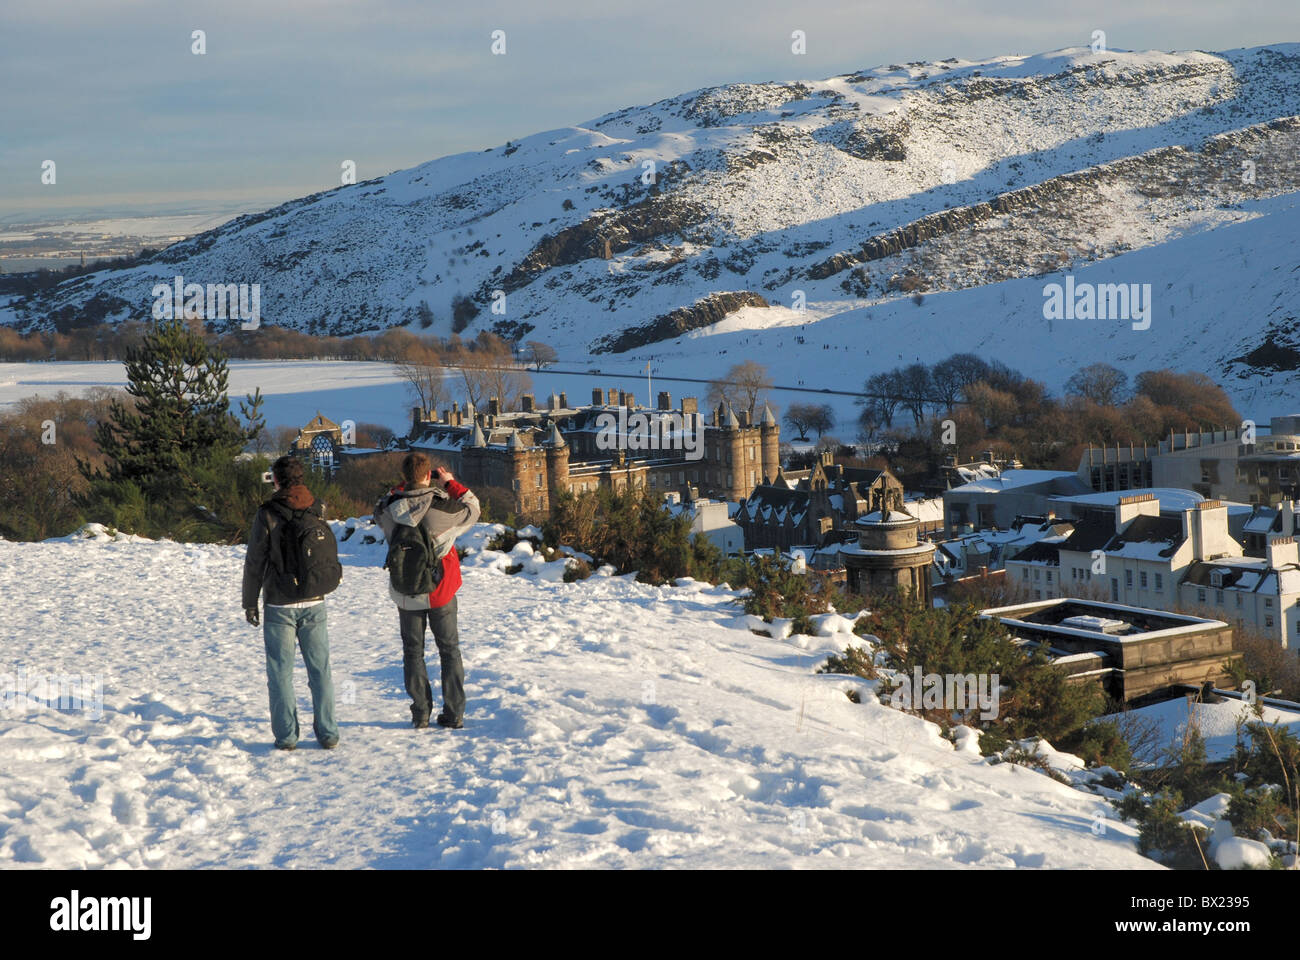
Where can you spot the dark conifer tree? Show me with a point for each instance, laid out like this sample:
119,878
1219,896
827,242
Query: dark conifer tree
165,451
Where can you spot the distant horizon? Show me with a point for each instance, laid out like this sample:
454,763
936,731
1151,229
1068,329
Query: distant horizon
140,125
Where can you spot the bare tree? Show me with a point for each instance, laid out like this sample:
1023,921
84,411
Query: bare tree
1101,383
799,417
868,422
886,391
374,435
425,377
823,419
949,378
540,354
488,372
743,386
914,380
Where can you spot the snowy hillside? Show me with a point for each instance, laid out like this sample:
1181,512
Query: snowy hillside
978,181
611,724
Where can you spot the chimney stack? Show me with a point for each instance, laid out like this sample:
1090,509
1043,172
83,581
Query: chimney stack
494,406
597,396
527,403
564,400
665,401
1138,505
1283,551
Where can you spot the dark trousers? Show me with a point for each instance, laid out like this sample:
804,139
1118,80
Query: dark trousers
441,622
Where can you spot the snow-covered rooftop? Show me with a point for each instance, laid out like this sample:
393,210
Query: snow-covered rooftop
1011,479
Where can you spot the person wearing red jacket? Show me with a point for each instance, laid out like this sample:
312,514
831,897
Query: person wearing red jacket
432,498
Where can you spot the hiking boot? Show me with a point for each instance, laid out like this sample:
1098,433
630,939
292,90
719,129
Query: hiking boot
420,721
286,746
453,723
328,744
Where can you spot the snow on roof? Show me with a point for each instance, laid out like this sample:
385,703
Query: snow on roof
1171,498
902,551
927,511
1142,550
895,516
1011,479
970,475
1085,622
1261,522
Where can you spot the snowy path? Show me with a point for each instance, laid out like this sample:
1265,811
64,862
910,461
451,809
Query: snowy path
610,724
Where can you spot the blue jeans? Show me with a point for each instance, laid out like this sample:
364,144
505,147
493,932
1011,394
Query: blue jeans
441,622
283,628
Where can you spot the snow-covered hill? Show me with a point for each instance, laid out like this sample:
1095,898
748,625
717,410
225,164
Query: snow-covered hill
611,724
976,181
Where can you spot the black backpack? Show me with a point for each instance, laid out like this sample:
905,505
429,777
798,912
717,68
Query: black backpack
304,555
412,567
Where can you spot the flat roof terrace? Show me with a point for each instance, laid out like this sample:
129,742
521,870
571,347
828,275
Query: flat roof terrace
1148,650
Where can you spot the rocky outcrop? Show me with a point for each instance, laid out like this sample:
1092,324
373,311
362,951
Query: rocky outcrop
607,233
703,312
1161,172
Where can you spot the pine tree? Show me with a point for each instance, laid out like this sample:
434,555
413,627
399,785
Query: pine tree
176,440
181,413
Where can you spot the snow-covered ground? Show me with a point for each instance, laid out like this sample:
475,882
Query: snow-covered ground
1217,723
294,389
610,724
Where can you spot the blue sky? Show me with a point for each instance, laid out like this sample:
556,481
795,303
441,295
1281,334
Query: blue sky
288,89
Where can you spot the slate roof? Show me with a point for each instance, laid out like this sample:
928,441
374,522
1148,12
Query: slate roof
1152,531
1092,534
1153,537
1041,551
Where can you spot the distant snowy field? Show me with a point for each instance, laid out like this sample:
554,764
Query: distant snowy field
295,390
372,392
610,724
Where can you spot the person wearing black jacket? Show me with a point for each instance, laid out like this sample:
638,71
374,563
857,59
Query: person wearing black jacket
289,621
